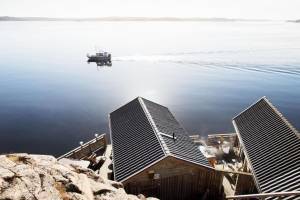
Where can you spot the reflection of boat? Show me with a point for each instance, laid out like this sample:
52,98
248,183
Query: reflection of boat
101,58
100,64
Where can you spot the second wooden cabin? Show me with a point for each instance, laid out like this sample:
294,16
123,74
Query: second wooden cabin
270,146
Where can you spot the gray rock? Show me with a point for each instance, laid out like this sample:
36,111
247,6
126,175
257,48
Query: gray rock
17,190
5,162
6,174
81,163
141,197
76,196
40,177
116,184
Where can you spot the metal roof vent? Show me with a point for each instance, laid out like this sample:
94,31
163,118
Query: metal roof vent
174,137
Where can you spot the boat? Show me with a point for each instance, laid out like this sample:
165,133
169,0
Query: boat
100,57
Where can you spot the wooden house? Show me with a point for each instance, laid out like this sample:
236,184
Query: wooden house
271,147
153,155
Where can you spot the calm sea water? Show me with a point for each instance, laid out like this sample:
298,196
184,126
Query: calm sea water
205,72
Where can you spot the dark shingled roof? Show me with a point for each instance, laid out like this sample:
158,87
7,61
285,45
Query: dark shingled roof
182,147
272,147
142,134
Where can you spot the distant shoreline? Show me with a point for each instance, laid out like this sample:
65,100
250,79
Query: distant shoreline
294,21
116,19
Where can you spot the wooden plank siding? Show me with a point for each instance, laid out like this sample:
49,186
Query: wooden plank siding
179,180
245,185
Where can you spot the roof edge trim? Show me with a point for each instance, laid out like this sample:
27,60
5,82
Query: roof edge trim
153,163
123,105
111,141
283,118
246,154
264,97
186,160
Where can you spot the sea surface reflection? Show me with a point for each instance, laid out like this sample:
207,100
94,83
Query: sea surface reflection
205,72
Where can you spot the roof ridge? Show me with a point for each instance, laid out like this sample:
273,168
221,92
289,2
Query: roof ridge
155,129
152,102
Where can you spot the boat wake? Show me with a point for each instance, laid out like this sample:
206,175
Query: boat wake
192,59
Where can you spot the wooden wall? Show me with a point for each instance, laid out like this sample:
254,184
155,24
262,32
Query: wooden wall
179,180
245,185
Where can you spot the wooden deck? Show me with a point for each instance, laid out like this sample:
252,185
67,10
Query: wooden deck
85,150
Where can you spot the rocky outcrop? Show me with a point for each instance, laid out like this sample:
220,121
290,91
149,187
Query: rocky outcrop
40,177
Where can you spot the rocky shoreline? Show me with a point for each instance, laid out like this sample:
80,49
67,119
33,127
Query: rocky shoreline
42,177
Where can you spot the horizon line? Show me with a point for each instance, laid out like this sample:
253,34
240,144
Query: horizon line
129,18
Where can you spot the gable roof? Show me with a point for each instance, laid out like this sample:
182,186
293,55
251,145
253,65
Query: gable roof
271,145
183,147
142,134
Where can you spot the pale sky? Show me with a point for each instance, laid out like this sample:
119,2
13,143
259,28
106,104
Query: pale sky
247,9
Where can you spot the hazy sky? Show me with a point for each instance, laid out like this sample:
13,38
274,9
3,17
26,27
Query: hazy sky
248,9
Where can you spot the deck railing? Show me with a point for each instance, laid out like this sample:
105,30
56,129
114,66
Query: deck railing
265,195
85,149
